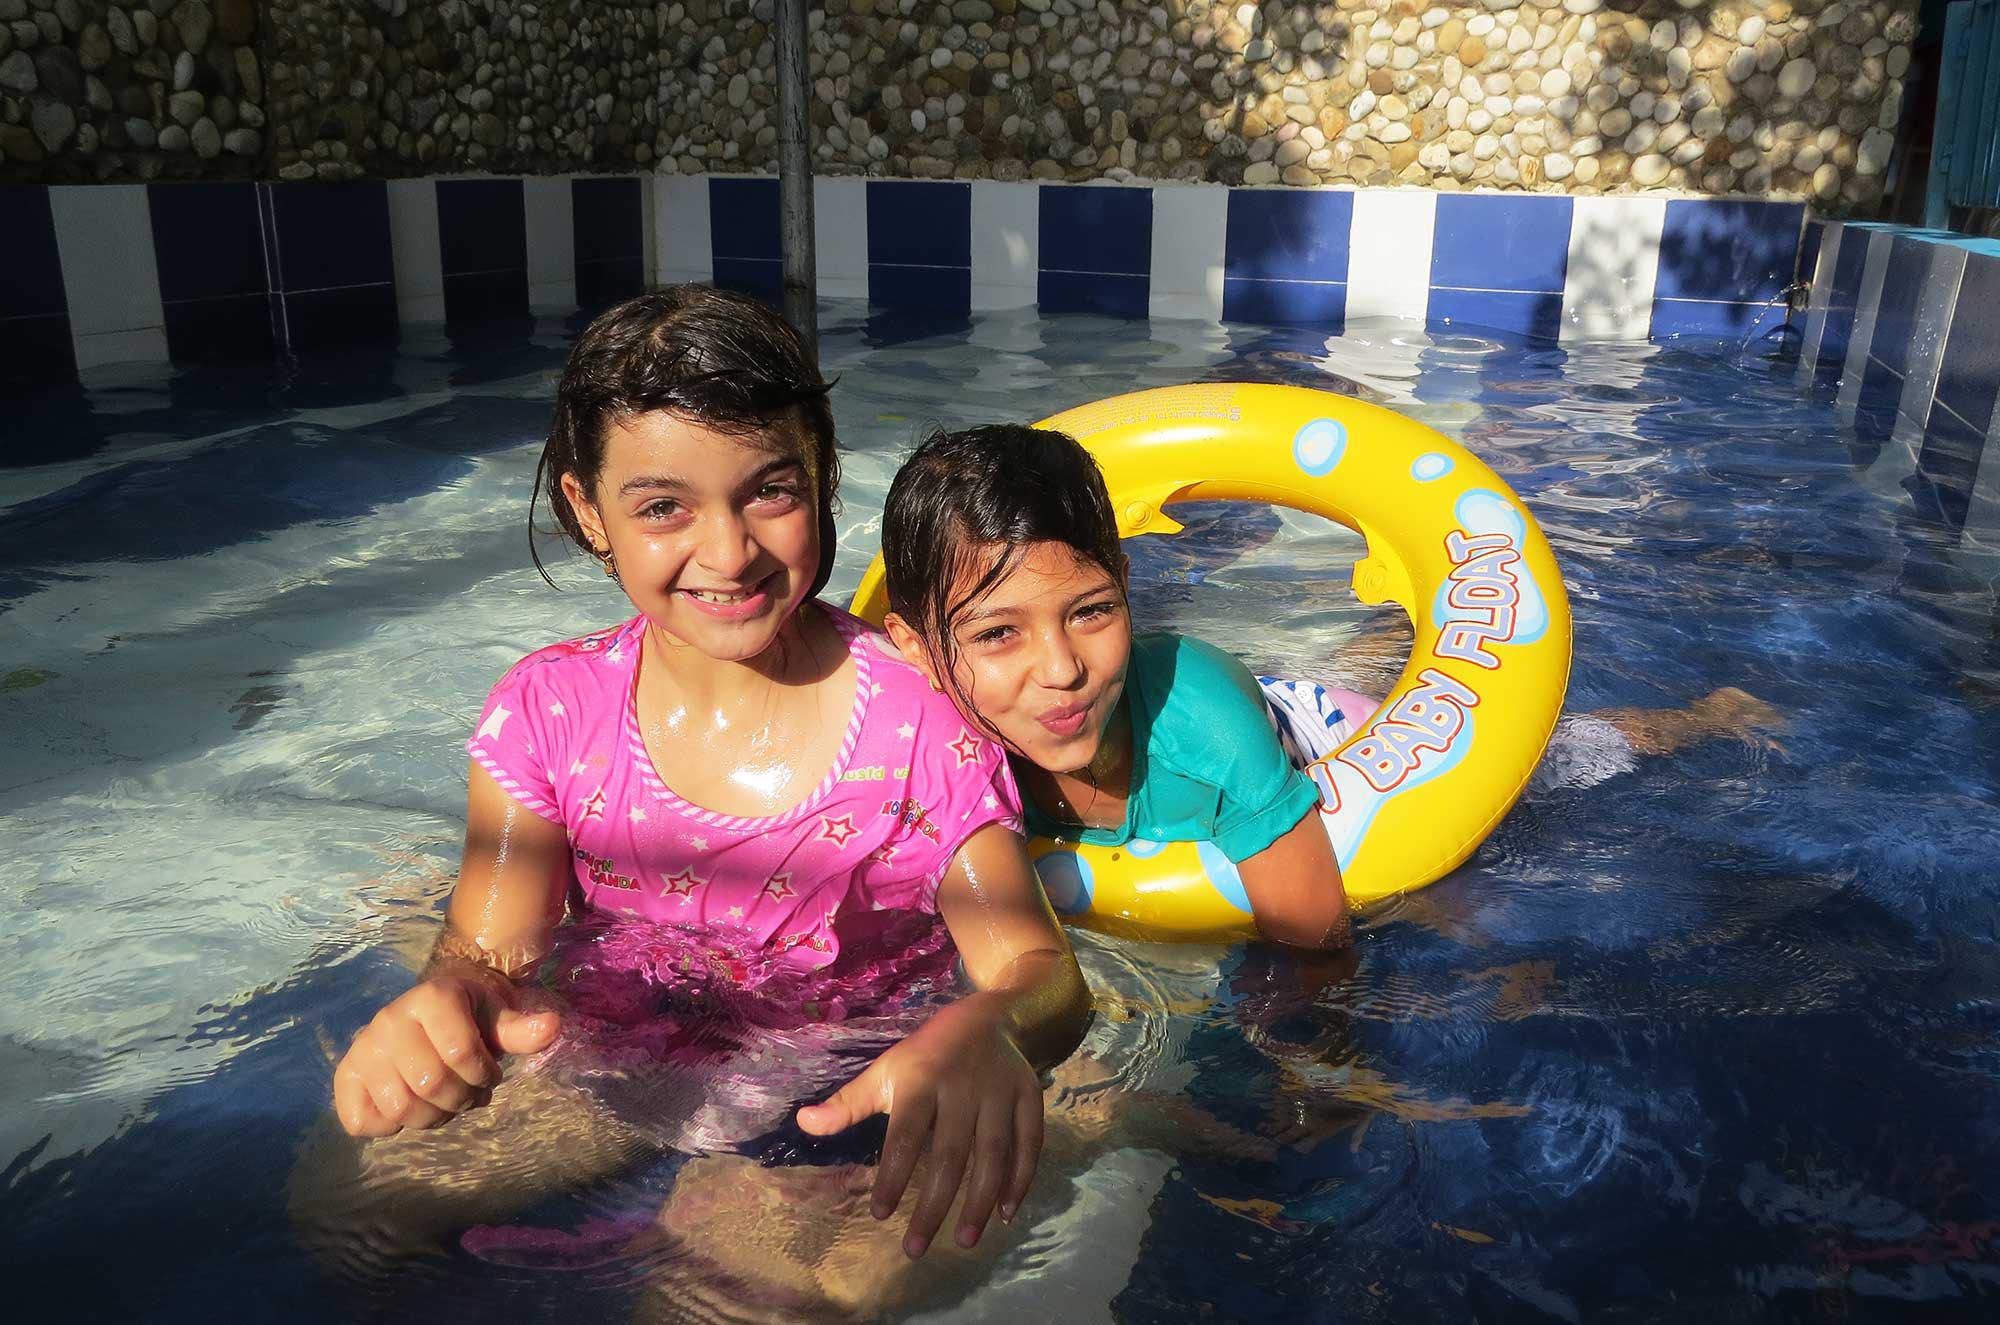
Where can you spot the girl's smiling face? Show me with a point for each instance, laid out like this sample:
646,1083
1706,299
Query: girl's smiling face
1040,658
715,538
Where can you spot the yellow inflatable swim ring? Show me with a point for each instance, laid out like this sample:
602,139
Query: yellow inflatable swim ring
1446,755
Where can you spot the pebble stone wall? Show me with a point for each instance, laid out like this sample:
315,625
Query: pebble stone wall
1720,97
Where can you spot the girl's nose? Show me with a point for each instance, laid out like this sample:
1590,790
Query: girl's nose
1057,663
727,550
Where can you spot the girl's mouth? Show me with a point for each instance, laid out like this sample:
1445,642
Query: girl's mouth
730,604
1066,721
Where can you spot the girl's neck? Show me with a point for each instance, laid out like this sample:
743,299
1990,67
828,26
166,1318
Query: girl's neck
795,657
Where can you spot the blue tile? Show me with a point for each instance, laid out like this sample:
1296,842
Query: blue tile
1291,303
1097,230
913,223
1709,318
208,240
1523,313
743,219
34,351
764,277
603,283
947,289
1848,268
1903,281
31,283
355,314
1093,292
481,296
223,328
1483,242
1288,235
1740,252
331,234
482,226
610,219
1947,467
1833,342
1969,377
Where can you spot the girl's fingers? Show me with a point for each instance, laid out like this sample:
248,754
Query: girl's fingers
991,1150
454,1035
426,1075
909,1131
352,1105
1027,1150
951,1145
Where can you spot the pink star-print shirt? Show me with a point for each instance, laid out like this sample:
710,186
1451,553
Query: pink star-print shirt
910,784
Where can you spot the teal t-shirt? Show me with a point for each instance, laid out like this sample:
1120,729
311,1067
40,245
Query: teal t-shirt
1206,763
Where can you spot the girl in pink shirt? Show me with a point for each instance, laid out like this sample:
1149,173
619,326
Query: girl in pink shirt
762,806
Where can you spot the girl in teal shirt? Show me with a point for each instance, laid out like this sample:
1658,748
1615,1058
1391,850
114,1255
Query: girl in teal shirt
1007,585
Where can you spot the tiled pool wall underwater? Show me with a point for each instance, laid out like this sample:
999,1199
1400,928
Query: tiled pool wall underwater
187,272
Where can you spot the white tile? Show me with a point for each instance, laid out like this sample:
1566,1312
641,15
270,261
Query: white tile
1006,243
551,224
1928,330
1190,241
1389,253
140,345
1613,264
1814,339
683,247
111,279
1866,305
840,236
414,247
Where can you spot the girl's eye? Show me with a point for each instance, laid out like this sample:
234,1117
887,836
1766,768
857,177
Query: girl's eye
662,509
993,635
777,492
1096,611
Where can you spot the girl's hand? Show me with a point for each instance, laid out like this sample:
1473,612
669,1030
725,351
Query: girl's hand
432,1052
961,1089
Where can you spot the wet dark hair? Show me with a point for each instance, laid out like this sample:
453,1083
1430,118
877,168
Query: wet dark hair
721,359
962,495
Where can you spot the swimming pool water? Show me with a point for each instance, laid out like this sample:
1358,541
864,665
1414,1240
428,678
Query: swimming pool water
1716,1038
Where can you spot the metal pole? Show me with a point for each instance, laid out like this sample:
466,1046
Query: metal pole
795,185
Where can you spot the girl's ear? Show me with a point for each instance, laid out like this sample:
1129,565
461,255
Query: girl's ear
586,514
911,646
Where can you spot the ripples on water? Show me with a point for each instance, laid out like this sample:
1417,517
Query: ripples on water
1715,1038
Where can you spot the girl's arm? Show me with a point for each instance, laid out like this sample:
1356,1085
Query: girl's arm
965,1085
1294,889
431,1053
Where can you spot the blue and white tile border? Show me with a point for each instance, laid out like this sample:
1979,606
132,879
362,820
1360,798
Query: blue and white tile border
1905,323
1625,268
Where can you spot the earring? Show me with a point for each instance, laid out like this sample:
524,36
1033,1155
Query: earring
610,566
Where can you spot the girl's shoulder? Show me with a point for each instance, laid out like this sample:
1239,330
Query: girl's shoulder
595,657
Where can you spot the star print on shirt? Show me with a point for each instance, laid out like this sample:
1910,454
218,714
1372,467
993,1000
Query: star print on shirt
593,805
698,843
615,654
884,853
837,831
577,768
778,887
966,747
490,729
556,710
681,885
638,815
906,731
992,801
735,913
